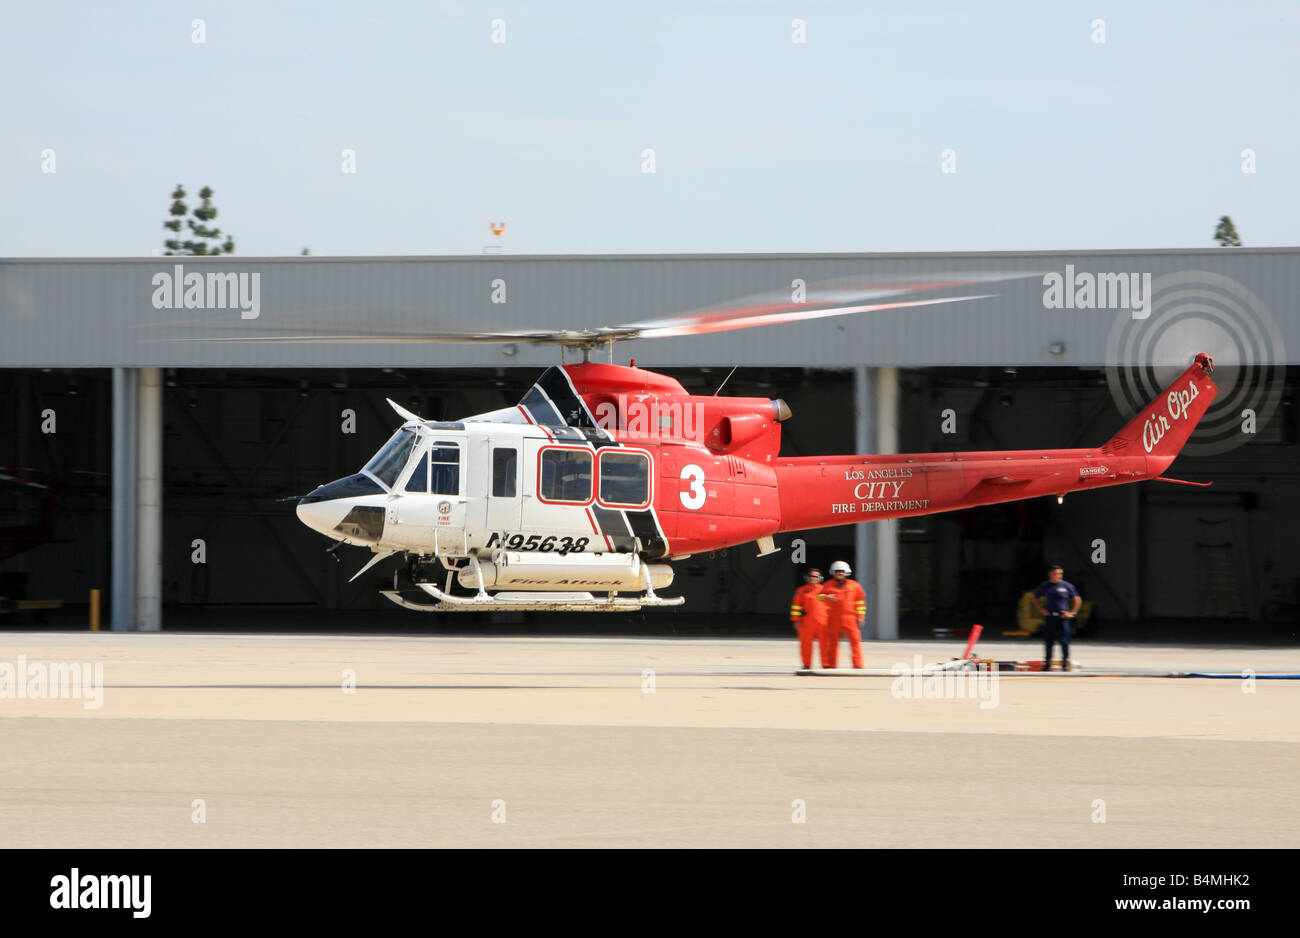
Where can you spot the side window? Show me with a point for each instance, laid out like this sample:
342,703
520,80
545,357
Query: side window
505,463
444,468
565,475
624,478
419,480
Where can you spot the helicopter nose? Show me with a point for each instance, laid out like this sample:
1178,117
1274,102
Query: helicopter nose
329,507
321,515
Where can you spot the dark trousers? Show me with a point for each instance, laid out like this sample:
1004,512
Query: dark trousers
1056,629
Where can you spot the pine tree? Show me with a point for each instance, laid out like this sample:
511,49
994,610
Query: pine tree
1226,233
204,241
177,211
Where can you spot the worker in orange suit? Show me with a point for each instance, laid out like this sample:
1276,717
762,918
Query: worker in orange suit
808,616
846,604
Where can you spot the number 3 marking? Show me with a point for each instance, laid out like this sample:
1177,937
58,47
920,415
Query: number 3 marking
695,497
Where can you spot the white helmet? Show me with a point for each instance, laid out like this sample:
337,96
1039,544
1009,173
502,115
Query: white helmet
840,566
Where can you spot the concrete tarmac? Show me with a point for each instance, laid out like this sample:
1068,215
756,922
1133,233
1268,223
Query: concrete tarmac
378,741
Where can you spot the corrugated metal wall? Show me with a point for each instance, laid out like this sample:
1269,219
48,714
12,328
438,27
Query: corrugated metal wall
100,313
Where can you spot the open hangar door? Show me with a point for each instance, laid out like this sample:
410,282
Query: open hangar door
55,523
1161,562
241,444
1178,562
751,594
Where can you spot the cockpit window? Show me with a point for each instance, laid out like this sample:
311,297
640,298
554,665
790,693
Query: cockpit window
387,464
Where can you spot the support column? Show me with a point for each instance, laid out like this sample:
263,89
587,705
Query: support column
149,501
864,534
123,545
886,532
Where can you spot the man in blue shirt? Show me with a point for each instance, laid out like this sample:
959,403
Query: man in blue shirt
1057,602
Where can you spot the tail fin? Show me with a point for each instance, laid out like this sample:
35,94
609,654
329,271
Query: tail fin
1164,426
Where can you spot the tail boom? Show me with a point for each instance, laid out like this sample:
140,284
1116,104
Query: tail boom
826,491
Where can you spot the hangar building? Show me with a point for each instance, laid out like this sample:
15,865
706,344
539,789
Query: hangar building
160,414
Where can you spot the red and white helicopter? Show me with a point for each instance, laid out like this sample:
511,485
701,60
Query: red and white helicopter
580,497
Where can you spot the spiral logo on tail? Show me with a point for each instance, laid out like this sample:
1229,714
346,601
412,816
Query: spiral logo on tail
1197,311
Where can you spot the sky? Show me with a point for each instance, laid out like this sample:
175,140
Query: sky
888,127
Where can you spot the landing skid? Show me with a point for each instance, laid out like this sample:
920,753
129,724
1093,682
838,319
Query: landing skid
538,601
528,602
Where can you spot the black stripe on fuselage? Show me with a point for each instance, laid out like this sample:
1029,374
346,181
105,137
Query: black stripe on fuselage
573,410
554,402
541,409
645,527
615,527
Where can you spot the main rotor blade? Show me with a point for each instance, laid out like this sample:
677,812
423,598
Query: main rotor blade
772,319
567,337
838,298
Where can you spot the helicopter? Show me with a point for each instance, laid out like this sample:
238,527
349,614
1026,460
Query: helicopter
583,495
